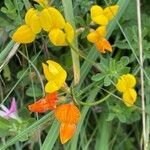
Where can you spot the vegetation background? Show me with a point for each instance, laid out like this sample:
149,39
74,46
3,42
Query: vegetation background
107,126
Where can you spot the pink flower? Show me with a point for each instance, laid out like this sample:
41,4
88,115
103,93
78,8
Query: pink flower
11,112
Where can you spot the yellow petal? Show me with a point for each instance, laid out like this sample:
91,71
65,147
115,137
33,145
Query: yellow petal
96,11
51,18
129,80
121,85
101,20
129,97
29,15
51,87
57,18
46,20
46,72
101,31
23,34
126,82
111,11
97,15
93,37
32,20
57,37
69,31
55,75
66,132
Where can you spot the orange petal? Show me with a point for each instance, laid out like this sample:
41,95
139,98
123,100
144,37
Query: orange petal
67,113
103,45
66,132
44,104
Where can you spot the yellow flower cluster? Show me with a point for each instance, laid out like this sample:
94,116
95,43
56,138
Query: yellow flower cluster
126,85
50,20
55,76
101,17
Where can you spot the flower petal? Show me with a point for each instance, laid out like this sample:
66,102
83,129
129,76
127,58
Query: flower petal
121,85
55,75
96,11
2,114
46,20
23,34
101,20
57,18
126,82
101,31
57,37
44,104
93,37
67,113
97,15
46,72
51,18
69,31
103,45
66,132
52,86
32,20
129,80
111,11
129,97
13,106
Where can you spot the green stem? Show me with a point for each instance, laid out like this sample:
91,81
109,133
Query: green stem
92,103
6,51
68,10
36,70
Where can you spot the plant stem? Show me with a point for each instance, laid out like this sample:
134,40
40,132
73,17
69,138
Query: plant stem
145,142
68,9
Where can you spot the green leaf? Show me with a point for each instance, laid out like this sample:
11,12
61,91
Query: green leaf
20,73
7,73
34,92
9,4
122,45
79,20
110,117
4,124
124,60
98,77
121,117
107,81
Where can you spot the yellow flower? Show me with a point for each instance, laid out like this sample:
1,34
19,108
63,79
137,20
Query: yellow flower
55,75
103,16
126,82
27,32
51,18
126,85
23,34
32,20
43,3
98,38
53,22
59,37
129,97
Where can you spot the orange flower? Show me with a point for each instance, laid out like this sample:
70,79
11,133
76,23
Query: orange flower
98,38
68,115
44,104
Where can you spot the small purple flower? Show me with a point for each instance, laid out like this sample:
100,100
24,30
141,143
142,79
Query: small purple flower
11,112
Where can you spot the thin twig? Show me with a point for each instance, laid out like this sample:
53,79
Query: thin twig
141,72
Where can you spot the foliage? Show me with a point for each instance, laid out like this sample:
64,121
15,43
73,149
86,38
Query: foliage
105,121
